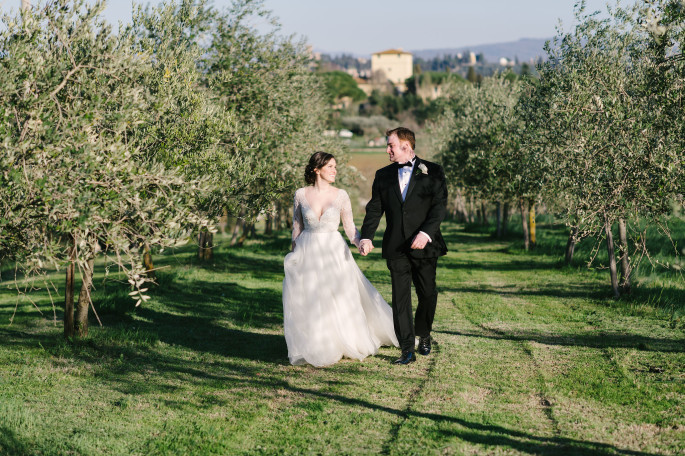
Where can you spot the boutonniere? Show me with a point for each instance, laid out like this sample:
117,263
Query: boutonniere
423,168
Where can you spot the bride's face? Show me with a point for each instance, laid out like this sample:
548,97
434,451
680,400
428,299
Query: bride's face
328,171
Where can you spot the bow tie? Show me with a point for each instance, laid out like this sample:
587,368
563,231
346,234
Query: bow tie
401,165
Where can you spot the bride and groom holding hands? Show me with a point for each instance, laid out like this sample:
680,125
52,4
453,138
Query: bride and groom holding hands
330,309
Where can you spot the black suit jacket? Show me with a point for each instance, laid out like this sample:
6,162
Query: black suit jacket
423,209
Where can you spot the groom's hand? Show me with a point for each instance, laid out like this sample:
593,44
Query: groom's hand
365,247
419,242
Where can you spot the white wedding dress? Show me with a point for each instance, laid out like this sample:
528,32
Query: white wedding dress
330,309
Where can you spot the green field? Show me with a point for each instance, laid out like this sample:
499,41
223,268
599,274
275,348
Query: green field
531,358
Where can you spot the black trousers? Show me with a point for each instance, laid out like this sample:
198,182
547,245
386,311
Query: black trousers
421,272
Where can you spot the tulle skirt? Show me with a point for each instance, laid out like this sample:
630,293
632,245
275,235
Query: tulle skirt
330,309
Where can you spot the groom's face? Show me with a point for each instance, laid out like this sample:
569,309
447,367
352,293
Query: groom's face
399,151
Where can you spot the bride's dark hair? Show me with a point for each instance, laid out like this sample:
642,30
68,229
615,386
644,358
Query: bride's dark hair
317,161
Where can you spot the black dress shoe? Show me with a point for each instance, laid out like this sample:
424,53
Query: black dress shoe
424,345
406,358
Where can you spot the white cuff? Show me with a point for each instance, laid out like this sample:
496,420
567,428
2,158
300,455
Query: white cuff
429,238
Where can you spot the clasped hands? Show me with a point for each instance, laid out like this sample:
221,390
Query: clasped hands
418,243
365,247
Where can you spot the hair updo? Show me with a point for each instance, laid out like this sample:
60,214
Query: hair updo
317,161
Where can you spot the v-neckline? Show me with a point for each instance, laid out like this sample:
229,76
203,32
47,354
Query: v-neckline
304,196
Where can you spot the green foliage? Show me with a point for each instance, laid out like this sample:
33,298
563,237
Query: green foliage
396,106
188,129
112,142
279,103
72,96
367,126
598,137
476,137
432,77
339,85
472,76
599,129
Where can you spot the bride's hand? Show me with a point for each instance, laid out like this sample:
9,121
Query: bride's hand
365,247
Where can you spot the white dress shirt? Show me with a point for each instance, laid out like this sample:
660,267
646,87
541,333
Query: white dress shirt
404,174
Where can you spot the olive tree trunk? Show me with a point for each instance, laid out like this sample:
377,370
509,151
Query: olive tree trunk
472,210
69,291
524,224
571,244
464,209
612,258
625,259
531,223
205,248
236,229
505,218
499,219
201,245
147,261
460,211
84,299
269,223
278,221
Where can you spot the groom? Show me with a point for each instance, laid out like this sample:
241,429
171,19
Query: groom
413,195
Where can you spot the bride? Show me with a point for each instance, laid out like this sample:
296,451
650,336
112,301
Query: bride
330,309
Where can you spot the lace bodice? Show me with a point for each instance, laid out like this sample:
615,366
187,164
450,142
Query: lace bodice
305,219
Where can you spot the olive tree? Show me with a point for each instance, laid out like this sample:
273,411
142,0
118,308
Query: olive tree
188,128
595,123
478,142
71,186
279,104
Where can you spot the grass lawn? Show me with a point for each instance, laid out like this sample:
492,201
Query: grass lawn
531,358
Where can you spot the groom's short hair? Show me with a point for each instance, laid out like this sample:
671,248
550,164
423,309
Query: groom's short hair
403,134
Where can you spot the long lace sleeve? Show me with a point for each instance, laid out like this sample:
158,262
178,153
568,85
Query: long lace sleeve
347,219
298,223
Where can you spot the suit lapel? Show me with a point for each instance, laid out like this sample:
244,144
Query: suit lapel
412,180
394,179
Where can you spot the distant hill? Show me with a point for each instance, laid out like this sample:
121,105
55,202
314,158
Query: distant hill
525,49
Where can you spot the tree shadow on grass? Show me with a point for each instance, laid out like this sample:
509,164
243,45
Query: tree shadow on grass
224,319
228,261
603,340
455,235
10,444
114,361
510,265
564,291
462,429
232,375
191,318
667,298
143,357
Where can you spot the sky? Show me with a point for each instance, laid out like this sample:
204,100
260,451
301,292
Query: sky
361,27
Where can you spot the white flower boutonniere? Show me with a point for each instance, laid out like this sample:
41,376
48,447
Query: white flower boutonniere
423,168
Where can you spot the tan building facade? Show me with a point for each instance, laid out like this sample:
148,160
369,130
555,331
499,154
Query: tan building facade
396,64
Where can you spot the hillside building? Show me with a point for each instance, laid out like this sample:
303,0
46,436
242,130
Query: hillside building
396,64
